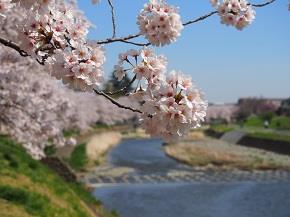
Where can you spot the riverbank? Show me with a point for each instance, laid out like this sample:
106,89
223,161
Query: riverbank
94,145
196,150
216,154
29,188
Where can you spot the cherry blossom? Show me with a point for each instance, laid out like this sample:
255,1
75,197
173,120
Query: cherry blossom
55,34
160,23
5,6
119,72
174,108
144,64
236,13
96,1
37,109
170,104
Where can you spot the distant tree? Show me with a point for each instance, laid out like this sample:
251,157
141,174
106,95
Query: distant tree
255,106
285,108
267,116
36,110
114,85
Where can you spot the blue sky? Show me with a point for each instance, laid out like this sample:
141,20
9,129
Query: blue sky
224,62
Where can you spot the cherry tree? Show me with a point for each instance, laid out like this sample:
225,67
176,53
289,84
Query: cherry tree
36,109
53,33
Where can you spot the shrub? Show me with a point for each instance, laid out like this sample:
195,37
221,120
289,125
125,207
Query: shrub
281,123
254,121
78,158
267,116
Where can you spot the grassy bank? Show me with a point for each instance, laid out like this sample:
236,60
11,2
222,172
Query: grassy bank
93,151
28,188
221,155
275,122
270,136
253,130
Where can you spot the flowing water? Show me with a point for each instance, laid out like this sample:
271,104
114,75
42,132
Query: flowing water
239,194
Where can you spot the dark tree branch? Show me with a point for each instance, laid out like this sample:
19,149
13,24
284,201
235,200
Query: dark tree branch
101,93
113,18
14,46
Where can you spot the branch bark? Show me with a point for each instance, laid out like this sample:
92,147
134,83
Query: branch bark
200,18
101,93
263,4
121,39
14,46
113,17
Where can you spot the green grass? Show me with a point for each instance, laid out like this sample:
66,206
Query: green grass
71,133
254,121
50,150
102,126
28,188
276,122
78,159
33,203
222,128
270,135
280,123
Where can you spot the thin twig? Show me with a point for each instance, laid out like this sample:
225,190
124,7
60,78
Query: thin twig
137,44
124,89
121,39
200,18
113,18
101,93
263,4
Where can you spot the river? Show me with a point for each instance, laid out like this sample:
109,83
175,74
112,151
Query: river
244,194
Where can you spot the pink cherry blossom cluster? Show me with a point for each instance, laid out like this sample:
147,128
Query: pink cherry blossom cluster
171,105
160,23
54,32
172,109
144,64
237,13
81,68
35,109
